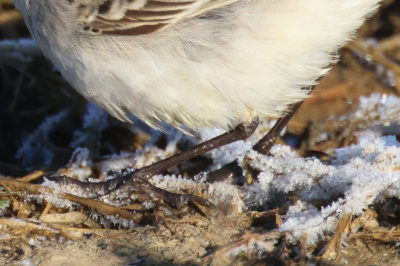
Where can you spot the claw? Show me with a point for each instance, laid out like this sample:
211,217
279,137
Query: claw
92,190
178,199
128,182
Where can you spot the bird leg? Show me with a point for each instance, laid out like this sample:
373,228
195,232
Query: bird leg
263,146
240,132
138,178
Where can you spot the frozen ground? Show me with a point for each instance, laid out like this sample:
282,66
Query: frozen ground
329,194
316,195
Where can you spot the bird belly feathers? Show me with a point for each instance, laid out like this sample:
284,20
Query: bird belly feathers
251,57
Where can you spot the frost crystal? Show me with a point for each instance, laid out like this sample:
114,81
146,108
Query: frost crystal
34,150
349,182
365,173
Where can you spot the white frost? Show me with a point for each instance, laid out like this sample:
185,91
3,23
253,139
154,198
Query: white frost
349,182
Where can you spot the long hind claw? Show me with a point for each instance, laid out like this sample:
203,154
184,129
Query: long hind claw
178,199
115,187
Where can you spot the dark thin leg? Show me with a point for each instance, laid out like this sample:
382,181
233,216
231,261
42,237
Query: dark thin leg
240,132
265,144
139,178
177,199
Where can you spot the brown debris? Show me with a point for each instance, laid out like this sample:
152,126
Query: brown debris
32,176
336,241
91,203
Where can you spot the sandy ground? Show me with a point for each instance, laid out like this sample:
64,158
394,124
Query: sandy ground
192,240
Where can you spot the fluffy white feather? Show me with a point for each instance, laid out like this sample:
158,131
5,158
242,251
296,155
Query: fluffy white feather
217,68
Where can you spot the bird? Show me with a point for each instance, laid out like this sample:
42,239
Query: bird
193,63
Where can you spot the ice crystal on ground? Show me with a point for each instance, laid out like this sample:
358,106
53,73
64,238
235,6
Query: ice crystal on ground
217,192
94,121
230,152
364,174
349,182
35,150
54,197
80,164
378,112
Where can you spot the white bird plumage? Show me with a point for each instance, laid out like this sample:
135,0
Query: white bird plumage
193,62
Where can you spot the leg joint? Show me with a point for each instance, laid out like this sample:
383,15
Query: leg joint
245,130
